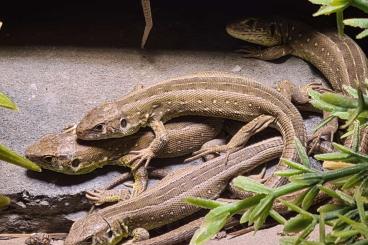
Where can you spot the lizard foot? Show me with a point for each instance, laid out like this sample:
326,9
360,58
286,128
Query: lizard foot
139,235
212,150
99,197
143,156
249,52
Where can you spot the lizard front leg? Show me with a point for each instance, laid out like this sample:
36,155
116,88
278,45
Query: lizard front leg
299,96
271,53
147,154
239,139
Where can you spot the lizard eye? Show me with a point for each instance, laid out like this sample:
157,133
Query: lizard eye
75,163
123,123
99,127
48,159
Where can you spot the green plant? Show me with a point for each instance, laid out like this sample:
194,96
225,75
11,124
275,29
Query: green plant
338,6
10,156
347,108
347,217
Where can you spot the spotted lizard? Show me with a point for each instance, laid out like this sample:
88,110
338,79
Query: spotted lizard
340,59
62,152
207,94
164,203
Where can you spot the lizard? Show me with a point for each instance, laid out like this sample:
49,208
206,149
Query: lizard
164,204
339,59
64,153
207,94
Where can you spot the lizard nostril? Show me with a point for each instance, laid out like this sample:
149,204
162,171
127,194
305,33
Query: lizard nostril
75,163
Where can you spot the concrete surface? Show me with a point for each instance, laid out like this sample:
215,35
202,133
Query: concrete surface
55,87
57,63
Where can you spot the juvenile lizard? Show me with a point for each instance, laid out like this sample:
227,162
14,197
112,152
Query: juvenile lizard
207,94
340,59
63,153
164,204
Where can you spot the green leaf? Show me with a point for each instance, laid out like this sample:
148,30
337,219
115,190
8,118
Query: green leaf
345,197
318,103
262,208
4,201
354,180
359,200
344,149
302,153
203,203
328,207
209,229
360,4
248,184
309,197
321,2
10,156
363,34
246,216
296,166
288,172
339,100
343,115
333,156
297,223
7,103
363,229
357,22
324,122
327,10
277,217
296,208
307,179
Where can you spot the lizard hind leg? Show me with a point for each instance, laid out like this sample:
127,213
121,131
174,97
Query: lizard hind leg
238,140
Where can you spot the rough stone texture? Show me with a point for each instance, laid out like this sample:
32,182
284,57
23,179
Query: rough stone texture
57,64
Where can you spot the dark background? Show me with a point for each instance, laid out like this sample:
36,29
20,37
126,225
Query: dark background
121,23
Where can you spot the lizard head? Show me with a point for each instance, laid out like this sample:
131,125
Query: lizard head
62,152
265,32
109,121
94,229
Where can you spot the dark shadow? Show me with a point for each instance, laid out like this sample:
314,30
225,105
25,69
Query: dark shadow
60,179
193,25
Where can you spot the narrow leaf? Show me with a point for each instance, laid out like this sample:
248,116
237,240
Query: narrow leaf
4,201
302,153
297,223
248,184
12,157
6,102
203,203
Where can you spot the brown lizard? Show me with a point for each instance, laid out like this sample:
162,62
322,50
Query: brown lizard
207,94
340,59
63,153
164,204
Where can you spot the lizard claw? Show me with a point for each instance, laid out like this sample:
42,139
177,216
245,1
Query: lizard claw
145,156
248,52
99,197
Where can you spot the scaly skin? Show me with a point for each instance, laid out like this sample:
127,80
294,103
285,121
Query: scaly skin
207,94
57,152
63,153
164,203
340,60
